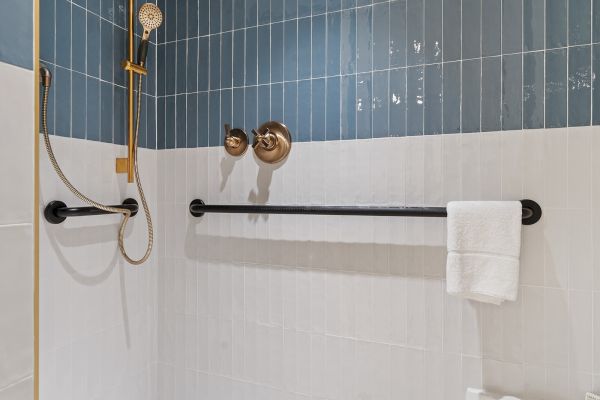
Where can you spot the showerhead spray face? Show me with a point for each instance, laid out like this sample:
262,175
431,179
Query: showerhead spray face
151,18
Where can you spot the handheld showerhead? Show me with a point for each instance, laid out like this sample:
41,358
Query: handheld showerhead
151,18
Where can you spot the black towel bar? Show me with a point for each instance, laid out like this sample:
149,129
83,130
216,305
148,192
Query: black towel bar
56,211
532,212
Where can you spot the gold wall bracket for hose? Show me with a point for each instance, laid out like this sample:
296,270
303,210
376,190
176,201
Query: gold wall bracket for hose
131,66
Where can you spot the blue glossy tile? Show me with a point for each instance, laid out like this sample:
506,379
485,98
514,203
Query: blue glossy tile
290,52
226,15
181,67
203,64
203,17
250,107
415,32
491,94
215,16
106,112
397,102
227,60
276,102
161,115
290,106
398,33
360,3
381,36
491,34
277,52
333,43
215,62
318,6
251,12
318,109
78,40
94,6
533,90
596,85
471,87
161,73
106,50
319,44
596,21
151,123
304,8
170,16
556,88
92,109
192,121
120,13
237,119
433,99
226,112
580,28
170,68
63,35
47,30
62,84
119,115
239,63
452,31
332,116
107,9
203,110
251,56
512,86
348,42
264,54
264,11
364,106
433,31
180,121
192,18
143,130
170,123
161,32
78,112
580,84
264,106
181,10
192,65
334,5
533,25
291,8
414,103
348,107
512,26
556,23
93,45
348,4
239,12
304,111
471,29
364,39
381,87
214,119
304,48
277,11
119,52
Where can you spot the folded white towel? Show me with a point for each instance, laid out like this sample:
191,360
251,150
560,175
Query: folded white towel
484,245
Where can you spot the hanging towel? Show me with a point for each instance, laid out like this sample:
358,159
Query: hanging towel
484,244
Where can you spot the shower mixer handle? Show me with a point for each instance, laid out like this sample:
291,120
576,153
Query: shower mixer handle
266,140
272,142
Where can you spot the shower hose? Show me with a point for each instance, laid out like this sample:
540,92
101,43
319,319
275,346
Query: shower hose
126,213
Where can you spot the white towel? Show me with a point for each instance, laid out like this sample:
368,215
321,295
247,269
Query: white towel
484,245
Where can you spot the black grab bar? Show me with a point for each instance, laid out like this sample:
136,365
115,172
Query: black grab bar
56,211
532,212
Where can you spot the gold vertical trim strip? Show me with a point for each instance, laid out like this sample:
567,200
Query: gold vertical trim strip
36,200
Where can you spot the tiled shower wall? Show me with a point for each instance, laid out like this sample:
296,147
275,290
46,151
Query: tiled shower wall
353,69
83,44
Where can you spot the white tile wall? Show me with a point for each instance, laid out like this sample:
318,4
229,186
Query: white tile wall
16,233
308,307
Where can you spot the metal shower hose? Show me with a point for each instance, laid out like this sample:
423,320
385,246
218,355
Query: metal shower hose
126,213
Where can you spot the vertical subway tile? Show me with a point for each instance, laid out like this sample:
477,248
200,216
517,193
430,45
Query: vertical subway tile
107,9
276,102
512,99
491,94
556,23
277,52
471,29
415,32
119,50
533,90
203,119
364,35
170,123
264,11
398,33
471,91
251,56
360,3
203,17
318,109
192,19
304,111
226,111
364,109
452,30
119,115
304,9
332,117
214,119
226,60
596,21
277,11
334,5
580,28
533,25
106,51
381,36
251,12
433,99
181,121
92,109
161,123
512,26
171,20
182,17
106,112
433,31
580,83
161,31
348,42
151,122
348,107
452,97
291,9
290,106
414,101
93,45
346,4
239,52
264,54
215,16
380,104
319,35
63,34
215,62
192,121
226,15
62,83
318,6
181,74
143,129
203,63
251,108
290,52
78,41
556,88
160,69
192,65
397,102
239,13
333,43
78,112
304,48
596,85
237,119
491,33
48,29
